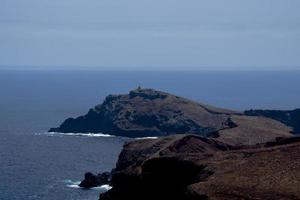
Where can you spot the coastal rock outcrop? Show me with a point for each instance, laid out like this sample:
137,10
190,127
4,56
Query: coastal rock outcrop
190,167
91,180
148,112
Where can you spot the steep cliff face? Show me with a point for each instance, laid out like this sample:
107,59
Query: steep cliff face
148,112
289,117
189,167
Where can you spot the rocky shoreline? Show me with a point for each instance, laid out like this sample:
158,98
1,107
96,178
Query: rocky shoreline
202,152
190,167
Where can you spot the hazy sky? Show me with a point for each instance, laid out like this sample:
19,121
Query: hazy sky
218,34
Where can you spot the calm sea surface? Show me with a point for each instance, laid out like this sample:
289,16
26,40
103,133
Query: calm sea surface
35,165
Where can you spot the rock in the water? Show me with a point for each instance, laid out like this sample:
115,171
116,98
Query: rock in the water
91,180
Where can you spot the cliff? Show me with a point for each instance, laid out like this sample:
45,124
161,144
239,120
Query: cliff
148,112
189,167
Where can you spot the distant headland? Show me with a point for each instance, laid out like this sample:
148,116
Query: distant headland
148,113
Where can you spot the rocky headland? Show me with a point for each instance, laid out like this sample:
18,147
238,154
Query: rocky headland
148,113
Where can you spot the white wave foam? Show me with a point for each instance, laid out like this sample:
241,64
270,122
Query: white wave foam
75,184
143,138
91,135
76,134
103,187
72,184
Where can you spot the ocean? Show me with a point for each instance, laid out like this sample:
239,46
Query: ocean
37,165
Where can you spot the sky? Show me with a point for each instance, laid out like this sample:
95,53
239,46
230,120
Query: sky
150,34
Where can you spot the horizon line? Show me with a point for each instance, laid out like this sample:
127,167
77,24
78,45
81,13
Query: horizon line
144,68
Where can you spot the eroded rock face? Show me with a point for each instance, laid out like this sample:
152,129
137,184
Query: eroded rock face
189,167
148,112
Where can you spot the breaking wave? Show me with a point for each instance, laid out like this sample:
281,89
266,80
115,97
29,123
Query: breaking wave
143,138
75,184
76,134
90,135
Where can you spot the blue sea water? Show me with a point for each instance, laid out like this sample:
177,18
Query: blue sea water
36,165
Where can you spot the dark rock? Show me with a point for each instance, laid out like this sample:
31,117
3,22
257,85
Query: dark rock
104,178
91,180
